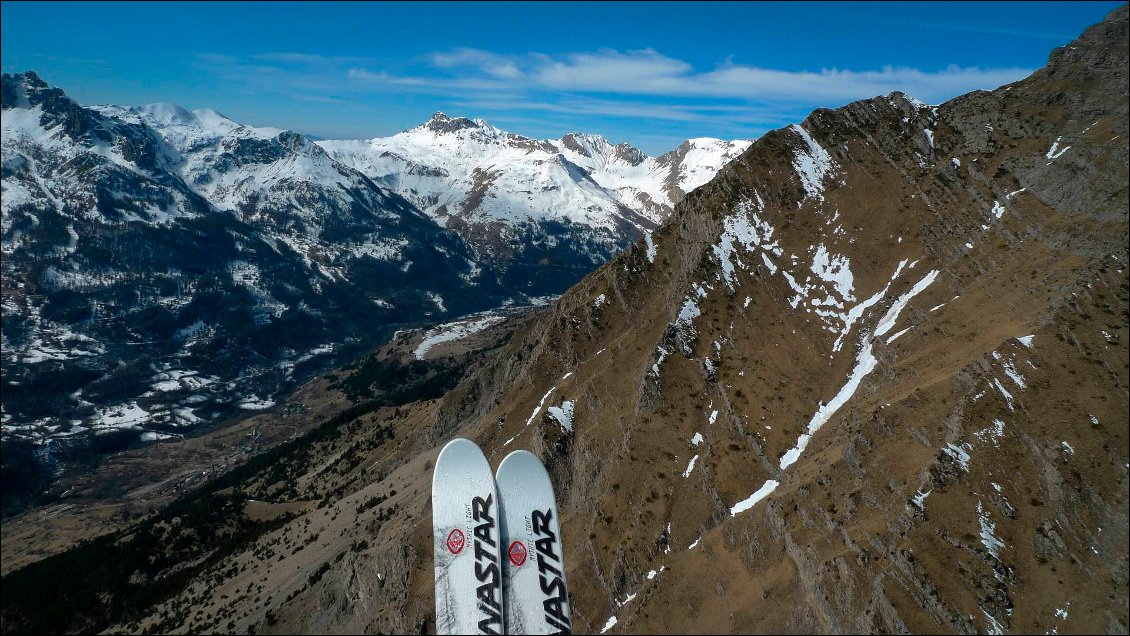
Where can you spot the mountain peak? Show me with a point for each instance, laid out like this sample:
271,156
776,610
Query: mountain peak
586,144
629,154
582,143
215,120
1096,52
29,78
167,112
19,90
441,123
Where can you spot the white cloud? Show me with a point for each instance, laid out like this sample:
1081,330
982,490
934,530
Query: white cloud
834,84
382,77
643,71
615,75
492,64
504,71
307,58
572,90
767,116
465,57
650,73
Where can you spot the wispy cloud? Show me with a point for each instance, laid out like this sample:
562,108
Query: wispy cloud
650,73
765,115
381,77
491,64
308,58
646,72
574,88
610,73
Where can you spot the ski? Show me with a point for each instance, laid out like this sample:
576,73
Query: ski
533,582
465,529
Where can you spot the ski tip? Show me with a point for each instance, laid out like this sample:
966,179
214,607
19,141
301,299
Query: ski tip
460,444
458,451
522,460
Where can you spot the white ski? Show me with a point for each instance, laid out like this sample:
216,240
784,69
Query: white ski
465,529
533,582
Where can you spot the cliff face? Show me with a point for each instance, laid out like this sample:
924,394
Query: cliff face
872,377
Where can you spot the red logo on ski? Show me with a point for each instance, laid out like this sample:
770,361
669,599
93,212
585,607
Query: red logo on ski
517,553
456,541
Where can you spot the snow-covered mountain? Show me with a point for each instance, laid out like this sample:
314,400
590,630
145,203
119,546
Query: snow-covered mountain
492,185
650,185
164,268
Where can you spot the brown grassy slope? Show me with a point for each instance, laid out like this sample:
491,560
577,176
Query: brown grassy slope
839,546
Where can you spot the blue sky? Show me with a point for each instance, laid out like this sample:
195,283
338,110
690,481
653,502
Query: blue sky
652,74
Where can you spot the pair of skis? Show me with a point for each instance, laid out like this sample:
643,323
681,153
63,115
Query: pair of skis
497,545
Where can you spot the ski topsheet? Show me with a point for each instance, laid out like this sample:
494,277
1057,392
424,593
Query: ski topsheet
465,529
537,600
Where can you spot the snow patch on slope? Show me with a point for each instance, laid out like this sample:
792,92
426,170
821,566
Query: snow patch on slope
766,489
563,414
812,164
452,331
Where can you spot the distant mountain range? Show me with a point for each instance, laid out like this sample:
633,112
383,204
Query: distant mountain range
165,268
493,186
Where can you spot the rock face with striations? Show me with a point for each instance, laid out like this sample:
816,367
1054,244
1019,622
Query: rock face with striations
871,378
